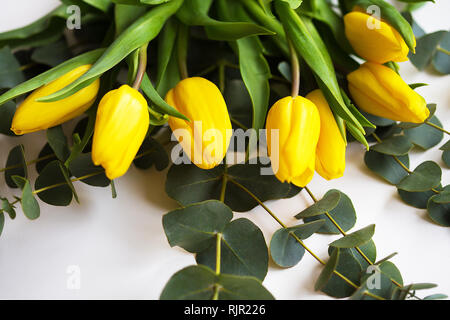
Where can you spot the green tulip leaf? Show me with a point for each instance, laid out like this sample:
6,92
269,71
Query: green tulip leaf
386,167
199,283
50,75
243,250
195,227
356,238
17,164
285,250
425,177
139,33
343,214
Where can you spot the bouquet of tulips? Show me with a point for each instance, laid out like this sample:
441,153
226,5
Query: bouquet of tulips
256,97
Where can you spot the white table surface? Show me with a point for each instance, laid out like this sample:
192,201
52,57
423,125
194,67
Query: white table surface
122,252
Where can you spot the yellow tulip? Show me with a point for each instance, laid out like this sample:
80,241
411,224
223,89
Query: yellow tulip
294,125
120,128
380,91
33,116
206,137
330,152
374,40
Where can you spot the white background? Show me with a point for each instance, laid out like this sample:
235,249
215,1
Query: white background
120,247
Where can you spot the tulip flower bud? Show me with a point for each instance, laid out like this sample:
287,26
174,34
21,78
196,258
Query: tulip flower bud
380,91
33,116
120,128
330,152
373,39
206,137
298,124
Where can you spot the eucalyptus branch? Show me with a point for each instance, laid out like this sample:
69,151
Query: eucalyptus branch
291,233
50,156
398,160
436,127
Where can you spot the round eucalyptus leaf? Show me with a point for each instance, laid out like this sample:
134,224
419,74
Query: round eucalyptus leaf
356,238
425,177
47,155
439,212
326,204
8,208
375,282
2,222
61,195
83,166
285,250
426,48
385,166
416,199
243,250
29,204
395,146
443,196
327,271
349,267
16,160
199,283
195,227
6,116
186,183
389,269
441,60
343,214
425,136
446,157
368,249
152,153
58,142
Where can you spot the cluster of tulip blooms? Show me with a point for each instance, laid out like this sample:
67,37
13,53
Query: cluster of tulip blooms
309,138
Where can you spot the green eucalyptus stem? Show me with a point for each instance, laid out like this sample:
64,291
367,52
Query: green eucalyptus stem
50,156
327,214
290,233
439,48
436,127
398,160
64,183
142,67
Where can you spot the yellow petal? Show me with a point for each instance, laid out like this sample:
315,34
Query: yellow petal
380,91
33,116
206,137
120,128
374,40
330,152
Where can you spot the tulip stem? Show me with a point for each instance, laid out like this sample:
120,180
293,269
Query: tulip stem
290,233
437,127
182,49
295,66
142,67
